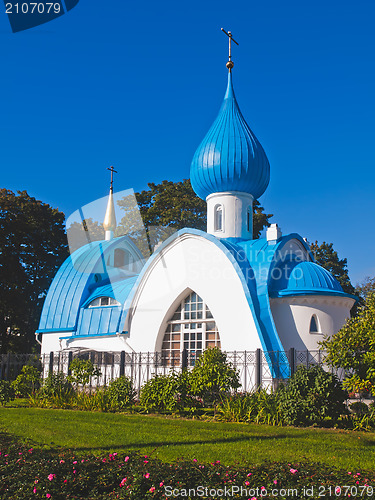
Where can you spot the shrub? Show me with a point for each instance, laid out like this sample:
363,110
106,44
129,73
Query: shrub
28,381
213,376
121,393
359,408
56,384
81,372
312,395
164,392
6,392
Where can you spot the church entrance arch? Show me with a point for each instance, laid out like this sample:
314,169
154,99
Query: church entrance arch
191,327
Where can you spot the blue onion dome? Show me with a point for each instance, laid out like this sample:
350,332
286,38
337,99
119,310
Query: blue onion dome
230,157
303,278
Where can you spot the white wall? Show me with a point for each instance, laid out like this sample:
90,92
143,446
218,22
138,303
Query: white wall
191,263
292,316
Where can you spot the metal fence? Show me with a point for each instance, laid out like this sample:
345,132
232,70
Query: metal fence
11,364
256,368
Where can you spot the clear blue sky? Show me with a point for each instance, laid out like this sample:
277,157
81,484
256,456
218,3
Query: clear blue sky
137,85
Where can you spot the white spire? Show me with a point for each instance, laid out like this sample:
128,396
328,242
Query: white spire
109,223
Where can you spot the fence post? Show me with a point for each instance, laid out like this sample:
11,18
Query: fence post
184,359
245,371
50,365
122,363
70,359
156,354
292,360
258,369
132,367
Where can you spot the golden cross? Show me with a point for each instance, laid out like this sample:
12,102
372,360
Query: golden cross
230,63
111,169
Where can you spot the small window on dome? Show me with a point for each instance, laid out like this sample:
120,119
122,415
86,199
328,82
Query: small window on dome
314,325
104,301
218,218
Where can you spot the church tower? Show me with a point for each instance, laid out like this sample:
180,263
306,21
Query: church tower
230,169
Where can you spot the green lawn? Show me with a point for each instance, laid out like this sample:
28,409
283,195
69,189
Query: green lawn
169,439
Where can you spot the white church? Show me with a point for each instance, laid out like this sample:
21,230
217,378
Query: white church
199,289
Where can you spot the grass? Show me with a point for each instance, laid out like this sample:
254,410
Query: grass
169,439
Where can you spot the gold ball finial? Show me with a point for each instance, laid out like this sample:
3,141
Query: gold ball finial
230,65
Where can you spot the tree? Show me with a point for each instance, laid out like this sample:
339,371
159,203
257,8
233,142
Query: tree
170,206
213,376
328,258
353,348
32,247
82,234
312,394
363,289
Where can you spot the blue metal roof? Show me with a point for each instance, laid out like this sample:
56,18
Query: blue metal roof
118,290
303,278
230,157
74,284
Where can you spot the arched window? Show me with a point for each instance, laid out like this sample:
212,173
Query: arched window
104,301
191,327
314,325
219,218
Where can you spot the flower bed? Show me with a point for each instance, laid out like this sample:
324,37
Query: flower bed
27,473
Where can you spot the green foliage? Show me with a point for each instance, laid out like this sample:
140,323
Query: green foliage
165,393
359,408
82,370
363,289
213,376
353,348
6,392
259,406
56,385
28,381
121,393
312,394
328,258
32,247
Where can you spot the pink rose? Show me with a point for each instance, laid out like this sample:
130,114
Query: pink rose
152,489
126,459
51,476
147,475
293,471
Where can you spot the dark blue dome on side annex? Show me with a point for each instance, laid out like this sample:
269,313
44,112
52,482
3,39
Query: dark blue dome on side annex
230,157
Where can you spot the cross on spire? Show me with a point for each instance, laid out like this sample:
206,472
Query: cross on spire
111,169
230,63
